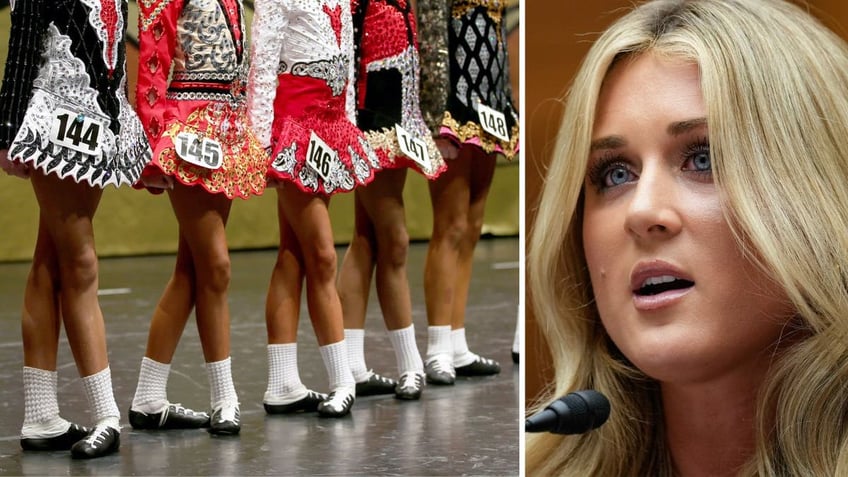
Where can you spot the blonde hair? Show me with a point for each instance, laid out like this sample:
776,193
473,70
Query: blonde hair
774,83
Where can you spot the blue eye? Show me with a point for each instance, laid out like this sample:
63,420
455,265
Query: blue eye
609,172
697,158
616,175
701,161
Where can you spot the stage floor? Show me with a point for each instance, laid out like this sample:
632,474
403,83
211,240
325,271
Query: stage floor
471,428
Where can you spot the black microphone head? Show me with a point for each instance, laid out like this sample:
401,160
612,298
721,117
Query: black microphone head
574,413
590,409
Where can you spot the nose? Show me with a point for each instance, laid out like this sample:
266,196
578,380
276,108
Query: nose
652,212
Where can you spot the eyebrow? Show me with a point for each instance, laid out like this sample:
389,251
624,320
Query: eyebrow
681,127
608,142
674,129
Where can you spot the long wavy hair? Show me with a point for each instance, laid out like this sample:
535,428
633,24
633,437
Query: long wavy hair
775,85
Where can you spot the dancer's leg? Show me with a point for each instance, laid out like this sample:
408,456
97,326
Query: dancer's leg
203,219
450,197
310,221
482,171
285,392
67,209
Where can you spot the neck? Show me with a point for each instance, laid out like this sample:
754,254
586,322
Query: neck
710,427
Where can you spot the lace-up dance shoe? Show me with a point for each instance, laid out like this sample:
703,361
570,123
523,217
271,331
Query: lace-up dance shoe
174,416
225,420
103,440
439,370
479,367
63,441
374,385
308,403
337,404
409,386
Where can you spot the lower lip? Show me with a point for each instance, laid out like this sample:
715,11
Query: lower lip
660,300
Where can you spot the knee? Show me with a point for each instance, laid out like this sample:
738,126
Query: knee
475,227
78,270
451,231
214,276
395,246
323,262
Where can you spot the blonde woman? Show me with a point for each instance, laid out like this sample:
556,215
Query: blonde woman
688,259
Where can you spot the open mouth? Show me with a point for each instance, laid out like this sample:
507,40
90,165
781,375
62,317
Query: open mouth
657,285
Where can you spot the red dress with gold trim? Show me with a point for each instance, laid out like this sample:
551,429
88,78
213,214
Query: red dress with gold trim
301,95
388,84
197,122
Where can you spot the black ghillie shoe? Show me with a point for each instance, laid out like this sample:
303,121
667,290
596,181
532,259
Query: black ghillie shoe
225,420
479,367
63,441
308,403
174,416
409,386
439,370
103,440
374,385
338,404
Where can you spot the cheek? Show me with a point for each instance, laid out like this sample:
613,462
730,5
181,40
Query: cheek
598,240
603,244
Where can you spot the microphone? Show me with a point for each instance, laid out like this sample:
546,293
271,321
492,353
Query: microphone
574,413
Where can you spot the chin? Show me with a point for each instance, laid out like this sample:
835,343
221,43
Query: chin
669,355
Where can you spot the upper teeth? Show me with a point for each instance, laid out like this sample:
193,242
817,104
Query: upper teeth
658,280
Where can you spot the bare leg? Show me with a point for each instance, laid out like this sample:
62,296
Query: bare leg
282,306
310,221
381,226
383,201
203,219
166,328
450,196
174,307
354,287
41,322
67,210
481,173
286,393
465,362
43,428
357,266
459,199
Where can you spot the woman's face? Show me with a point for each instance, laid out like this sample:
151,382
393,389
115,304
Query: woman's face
671,285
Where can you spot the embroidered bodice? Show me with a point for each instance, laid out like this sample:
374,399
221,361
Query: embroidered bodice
83,41
303,39
203,40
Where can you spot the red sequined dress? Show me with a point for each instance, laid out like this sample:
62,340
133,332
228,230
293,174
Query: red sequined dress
388,85
197,120
63,103
301,97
